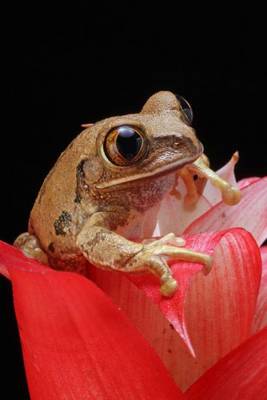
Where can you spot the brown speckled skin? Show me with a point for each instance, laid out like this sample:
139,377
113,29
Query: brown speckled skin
84,191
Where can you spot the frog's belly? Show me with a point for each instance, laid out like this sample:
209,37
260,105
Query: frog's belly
140,225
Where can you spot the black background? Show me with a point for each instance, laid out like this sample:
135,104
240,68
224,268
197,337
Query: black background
80,64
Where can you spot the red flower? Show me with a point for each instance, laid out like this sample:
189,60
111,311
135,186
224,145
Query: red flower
211,335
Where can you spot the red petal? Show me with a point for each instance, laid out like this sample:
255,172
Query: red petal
260,320
76,343
227,172
3,270
250,213
174,308
10,256
242,374
215,313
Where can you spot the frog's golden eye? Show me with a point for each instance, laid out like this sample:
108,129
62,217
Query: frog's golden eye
124,145
186,109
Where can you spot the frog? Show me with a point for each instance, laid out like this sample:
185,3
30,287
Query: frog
110,178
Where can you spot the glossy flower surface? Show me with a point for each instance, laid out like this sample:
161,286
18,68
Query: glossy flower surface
123,340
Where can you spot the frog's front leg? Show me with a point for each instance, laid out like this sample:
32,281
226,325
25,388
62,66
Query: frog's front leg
230,195
106,249
200,168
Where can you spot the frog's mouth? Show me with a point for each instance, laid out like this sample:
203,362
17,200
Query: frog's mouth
162,170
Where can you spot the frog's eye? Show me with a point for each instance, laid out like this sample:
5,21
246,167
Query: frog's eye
124,145
186,109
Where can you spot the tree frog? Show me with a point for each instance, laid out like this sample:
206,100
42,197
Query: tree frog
112,177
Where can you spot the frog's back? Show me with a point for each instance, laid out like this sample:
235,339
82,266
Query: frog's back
52,216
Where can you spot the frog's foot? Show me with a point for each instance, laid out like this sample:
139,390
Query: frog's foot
170,238
231,195
31,248
153,258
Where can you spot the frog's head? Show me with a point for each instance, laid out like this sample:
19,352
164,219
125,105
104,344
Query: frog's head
154,142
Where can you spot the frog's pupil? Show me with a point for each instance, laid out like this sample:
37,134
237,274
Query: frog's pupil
128,142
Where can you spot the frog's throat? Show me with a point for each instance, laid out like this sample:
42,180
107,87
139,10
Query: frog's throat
113,184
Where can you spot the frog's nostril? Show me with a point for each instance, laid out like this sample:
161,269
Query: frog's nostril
176,145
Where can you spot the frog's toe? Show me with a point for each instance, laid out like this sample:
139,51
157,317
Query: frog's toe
169,287
170,239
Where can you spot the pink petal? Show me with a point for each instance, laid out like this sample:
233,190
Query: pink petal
241,375
76,343
247,181
250,213
173,210
212,314
227,173
260,320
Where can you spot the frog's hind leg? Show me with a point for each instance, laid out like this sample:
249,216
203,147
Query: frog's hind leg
30,246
